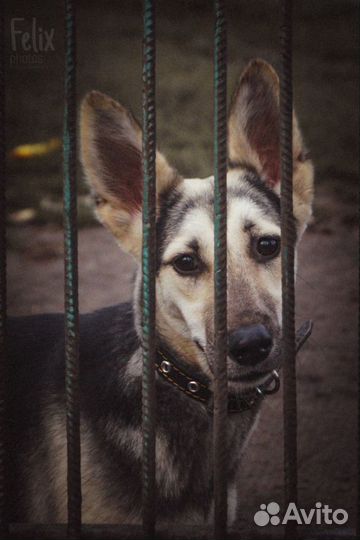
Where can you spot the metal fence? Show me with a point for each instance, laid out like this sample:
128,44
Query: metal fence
74,526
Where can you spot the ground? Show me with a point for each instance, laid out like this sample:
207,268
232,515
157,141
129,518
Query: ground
325,87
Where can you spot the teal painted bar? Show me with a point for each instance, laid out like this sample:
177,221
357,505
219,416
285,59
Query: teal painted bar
71,278
148,271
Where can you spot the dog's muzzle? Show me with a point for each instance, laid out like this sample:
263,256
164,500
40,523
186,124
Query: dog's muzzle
198,388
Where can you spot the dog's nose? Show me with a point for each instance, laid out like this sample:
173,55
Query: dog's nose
250,344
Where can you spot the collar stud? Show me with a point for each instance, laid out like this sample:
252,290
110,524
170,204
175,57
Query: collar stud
165,366
193,387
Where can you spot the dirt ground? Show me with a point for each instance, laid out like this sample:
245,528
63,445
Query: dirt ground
326,93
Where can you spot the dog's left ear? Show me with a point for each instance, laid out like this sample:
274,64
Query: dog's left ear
254,136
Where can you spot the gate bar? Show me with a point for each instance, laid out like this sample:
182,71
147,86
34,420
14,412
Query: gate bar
71,279
288,236
220,270
149,271
3,519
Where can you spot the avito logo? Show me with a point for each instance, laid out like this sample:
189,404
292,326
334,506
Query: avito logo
321,514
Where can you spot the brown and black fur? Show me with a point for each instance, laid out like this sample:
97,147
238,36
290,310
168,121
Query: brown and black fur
110,339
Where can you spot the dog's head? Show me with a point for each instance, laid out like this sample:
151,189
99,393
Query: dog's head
111,144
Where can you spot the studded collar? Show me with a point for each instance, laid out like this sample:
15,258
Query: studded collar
198,388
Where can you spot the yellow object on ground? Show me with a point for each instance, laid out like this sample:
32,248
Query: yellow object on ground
29,151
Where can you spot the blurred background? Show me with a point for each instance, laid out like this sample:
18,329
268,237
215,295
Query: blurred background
326,74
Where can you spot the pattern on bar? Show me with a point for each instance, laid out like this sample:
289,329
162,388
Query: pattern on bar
148,269
220,270
71,279
288,236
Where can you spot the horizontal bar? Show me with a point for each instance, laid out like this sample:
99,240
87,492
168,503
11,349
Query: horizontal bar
134,532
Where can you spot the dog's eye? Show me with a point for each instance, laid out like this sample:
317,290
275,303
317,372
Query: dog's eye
186,264
268,246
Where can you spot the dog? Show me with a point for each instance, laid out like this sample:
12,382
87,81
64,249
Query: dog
110,344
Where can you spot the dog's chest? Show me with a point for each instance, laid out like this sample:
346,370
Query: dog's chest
184,452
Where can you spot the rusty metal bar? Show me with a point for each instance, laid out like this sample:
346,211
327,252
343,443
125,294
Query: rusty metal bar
220,271
3,520
288,237
149,271
71,278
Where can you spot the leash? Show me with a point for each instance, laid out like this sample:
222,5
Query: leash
198,388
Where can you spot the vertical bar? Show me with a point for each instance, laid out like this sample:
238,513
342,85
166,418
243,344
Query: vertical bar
148,271
220,270
71,279
357,524
288,236
3,520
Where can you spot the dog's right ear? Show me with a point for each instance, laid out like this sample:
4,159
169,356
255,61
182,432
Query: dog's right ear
254,136
111,154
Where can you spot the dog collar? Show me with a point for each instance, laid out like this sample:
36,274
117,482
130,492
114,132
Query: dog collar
199,388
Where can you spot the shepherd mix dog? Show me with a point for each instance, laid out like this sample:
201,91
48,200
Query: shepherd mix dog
110,344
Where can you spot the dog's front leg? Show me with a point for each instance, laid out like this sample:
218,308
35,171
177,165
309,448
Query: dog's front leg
231,507
232,504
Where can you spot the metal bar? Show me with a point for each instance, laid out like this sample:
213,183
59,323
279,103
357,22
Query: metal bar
220,271
21,531
3,520
149,271
71,279
358,431
288,236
